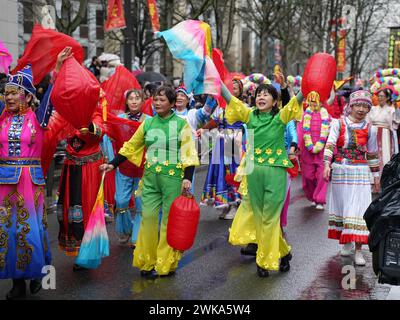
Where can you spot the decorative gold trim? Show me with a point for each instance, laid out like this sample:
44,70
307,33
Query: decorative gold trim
24,250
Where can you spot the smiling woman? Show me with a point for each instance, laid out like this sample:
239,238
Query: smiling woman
170,160
266,163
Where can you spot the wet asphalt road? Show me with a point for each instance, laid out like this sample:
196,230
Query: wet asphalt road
213,269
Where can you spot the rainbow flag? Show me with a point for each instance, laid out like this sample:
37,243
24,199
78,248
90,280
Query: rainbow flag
190,41
95,244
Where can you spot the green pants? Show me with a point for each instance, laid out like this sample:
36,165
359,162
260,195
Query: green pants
152,250
267,190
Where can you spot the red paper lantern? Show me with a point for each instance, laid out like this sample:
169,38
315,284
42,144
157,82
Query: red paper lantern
293,172
182,223
319,74
75,94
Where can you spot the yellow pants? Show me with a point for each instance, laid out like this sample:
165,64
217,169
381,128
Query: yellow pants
152,250
259,215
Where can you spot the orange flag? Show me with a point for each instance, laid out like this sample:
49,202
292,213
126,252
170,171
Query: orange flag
115,16
153,13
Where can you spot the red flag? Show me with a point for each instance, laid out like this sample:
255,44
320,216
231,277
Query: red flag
115,16
121,130
147,107
153,13
115,87
75,94
218,59
42,51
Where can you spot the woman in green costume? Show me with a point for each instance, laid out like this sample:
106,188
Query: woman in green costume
170,160
264,172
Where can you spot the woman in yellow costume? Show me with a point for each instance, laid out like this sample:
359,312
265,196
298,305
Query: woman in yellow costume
264,174
170,160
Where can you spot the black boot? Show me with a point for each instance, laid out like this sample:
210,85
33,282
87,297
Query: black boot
285,265
151,274
262,273
18,290
250,250
35,285
77,267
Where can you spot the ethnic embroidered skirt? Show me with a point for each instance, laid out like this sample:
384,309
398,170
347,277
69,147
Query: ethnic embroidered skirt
78,191
350,196
24,242
216,191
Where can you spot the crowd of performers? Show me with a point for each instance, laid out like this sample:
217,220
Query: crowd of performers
345,146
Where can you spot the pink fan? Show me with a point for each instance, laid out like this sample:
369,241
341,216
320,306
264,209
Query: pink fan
5,58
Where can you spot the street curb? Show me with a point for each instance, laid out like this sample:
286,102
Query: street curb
394,293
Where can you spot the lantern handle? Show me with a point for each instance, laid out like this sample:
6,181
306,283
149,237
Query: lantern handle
187,194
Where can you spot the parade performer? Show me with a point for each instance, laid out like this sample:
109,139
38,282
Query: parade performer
243,230
80,179
237,88
196,118
291,146
357,156
266,182
128,177
386,119
217,192
313,132
24,246
170,160
183,99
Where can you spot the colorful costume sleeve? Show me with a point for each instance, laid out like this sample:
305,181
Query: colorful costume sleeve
291,135
189,155
133,149
45,109
332,140
373,154
204,113
291,111
237,110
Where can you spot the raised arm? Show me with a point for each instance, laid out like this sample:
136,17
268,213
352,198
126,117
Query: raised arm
293,110
236,110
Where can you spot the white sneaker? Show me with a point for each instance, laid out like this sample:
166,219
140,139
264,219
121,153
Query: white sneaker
347,250
313,204
359,258
231,213
319,207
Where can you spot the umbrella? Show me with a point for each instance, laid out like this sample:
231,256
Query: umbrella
108,57
150,76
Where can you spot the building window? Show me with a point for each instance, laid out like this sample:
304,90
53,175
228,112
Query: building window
28,17
99,51
100,24
84,29
85,49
